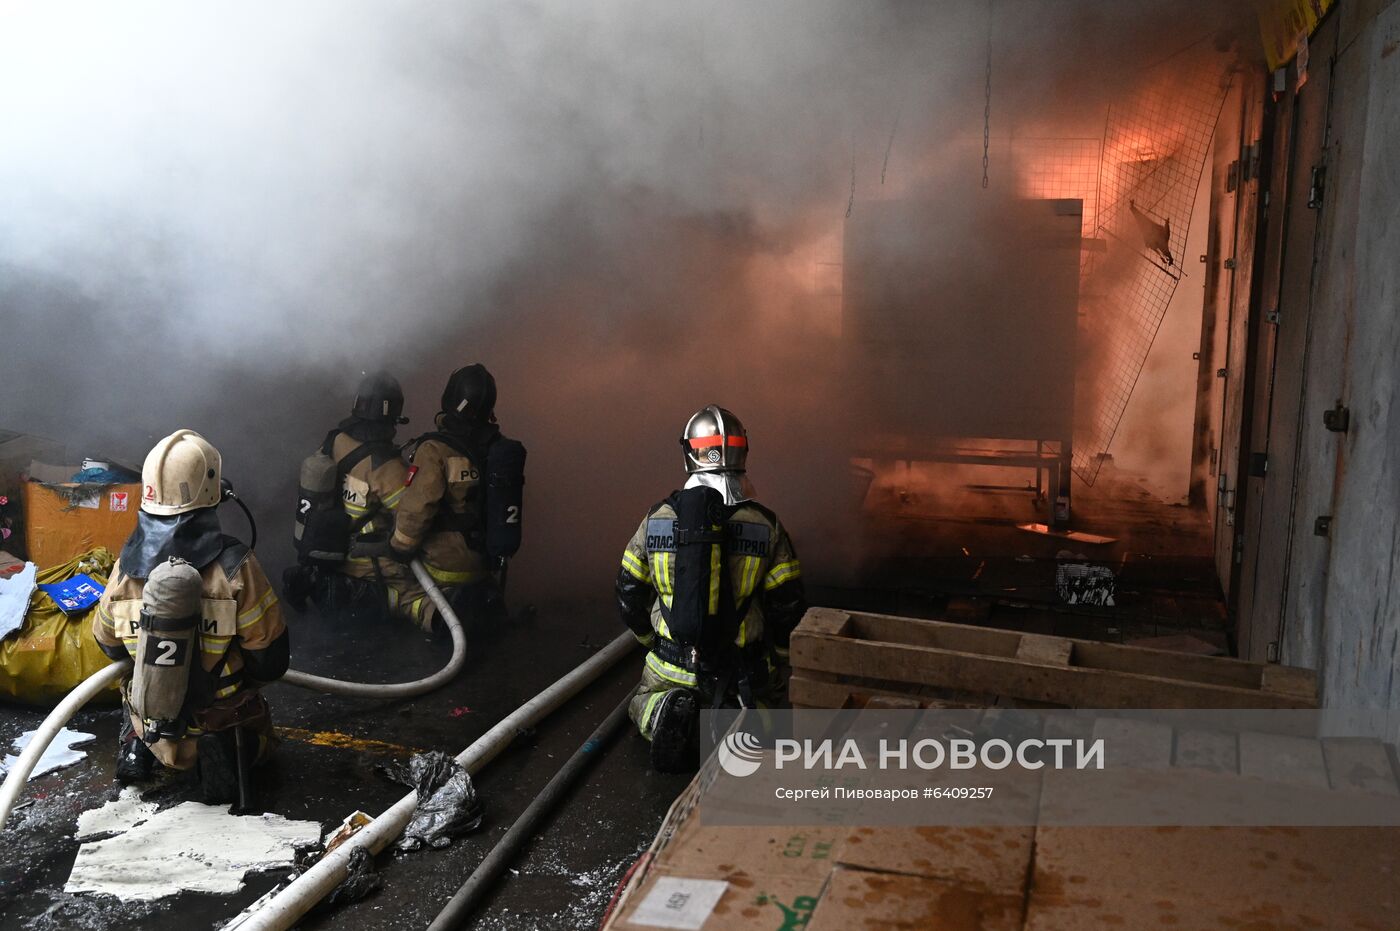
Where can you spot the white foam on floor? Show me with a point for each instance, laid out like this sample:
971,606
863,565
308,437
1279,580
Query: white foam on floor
57,755
188,848
14,599
121,814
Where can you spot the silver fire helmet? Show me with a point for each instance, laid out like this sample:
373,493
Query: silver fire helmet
714,441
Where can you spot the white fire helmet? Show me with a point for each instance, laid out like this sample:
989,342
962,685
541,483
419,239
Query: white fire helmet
714,440
180,474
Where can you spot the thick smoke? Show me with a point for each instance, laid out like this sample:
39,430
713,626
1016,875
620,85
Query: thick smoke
218,215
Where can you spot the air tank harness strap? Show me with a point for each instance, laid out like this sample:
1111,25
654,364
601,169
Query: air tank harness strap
162,625
449,521
734,672
688,536
737,670
665,648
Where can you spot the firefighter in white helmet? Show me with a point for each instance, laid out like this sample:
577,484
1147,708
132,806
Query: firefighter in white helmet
710,584
194,610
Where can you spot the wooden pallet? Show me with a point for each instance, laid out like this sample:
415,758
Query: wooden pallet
838,657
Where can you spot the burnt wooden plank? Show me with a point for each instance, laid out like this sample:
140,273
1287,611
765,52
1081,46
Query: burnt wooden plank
826,621
1072,686
892,703
810,689
918,632
1152,670
1168,665
1290,680
1050,651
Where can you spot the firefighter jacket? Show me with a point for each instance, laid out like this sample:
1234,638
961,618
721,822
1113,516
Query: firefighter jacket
371,489
242,640
765,574
439,510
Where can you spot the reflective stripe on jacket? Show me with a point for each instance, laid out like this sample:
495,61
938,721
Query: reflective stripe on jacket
761,560
242,623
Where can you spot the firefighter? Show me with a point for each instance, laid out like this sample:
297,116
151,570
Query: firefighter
368,480
441,516
192,607
711,586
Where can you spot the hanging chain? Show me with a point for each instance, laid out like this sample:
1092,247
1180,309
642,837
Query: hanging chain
987,110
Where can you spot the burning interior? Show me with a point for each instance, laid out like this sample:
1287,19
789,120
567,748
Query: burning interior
1059,334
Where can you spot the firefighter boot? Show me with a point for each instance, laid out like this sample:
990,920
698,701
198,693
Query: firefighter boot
135,761
675,745
219,767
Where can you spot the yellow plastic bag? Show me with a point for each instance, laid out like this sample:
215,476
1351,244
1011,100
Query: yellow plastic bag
53,652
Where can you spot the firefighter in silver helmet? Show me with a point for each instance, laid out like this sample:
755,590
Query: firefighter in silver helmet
710,584
194,610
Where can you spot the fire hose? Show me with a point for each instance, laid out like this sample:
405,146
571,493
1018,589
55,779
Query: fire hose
89,688
401,689
283,909
479,883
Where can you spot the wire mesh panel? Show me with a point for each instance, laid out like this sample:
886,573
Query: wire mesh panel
1052,167
1059,167
1154,150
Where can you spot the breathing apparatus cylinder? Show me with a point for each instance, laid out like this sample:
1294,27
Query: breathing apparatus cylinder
171,604
503,497
322,531
698,616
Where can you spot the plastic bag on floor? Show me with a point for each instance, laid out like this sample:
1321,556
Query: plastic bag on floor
53,651
360,881
447,801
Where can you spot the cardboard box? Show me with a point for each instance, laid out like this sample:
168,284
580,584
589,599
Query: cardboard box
768,903
1235,877
784,878
863,899
994,859
65,520
1005,878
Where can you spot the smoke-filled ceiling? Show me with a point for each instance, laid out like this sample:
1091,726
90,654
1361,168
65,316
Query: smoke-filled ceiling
218,215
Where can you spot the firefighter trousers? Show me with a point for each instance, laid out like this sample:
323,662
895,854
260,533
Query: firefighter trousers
249,712
660,678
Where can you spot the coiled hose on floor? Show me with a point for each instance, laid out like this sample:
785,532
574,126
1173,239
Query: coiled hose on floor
401,689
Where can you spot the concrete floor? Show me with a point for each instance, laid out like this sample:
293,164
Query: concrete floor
923,561
564,880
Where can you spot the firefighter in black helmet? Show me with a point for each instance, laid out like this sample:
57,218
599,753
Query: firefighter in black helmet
369,480
710,584
443,514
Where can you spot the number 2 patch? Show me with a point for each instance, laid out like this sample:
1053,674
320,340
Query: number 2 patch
168,653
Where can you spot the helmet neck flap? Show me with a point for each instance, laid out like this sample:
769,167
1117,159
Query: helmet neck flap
734,486
195,536
368,430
